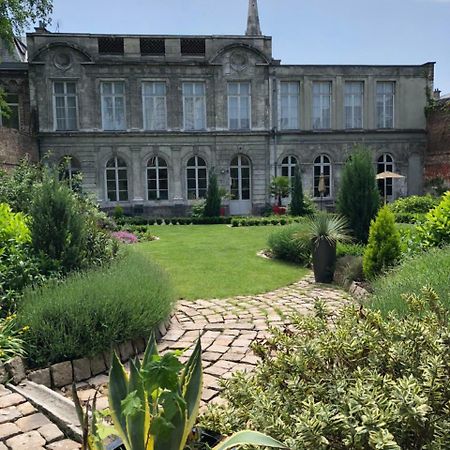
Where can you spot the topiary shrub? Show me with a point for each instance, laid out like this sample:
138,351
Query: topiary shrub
290,243
297,205
363,383
213,199
383,249
435,231
358,197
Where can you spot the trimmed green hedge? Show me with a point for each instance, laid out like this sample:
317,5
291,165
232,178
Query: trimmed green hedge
173,220
89,312
271,220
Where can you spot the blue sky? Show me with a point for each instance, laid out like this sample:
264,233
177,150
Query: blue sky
303,31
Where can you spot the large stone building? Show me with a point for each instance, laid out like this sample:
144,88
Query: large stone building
145,118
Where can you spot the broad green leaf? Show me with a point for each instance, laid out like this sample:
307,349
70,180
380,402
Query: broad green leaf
162,373
151,350
118,391
131,404
251,438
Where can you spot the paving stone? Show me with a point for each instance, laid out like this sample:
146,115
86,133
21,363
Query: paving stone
3,446
211,356
208,394
16,369
126,351
8,430
216,370
98,380
41,376
32,422
26,409
11,400
65,444
4,390
62,374
50,432
97,364
27,441
9,414
81,369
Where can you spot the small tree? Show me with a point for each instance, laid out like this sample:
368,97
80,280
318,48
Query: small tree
297,206
58,230
358,197
279,187
213,199
383,248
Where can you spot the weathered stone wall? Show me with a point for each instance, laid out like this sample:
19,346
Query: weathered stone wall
15,145
437,158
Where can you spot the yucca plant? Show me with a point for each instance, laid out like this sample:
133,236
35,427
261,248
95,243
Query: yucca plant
155,406
325,231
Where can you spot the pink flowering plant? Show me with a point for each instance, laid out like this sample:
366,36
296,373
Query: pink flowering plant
125,237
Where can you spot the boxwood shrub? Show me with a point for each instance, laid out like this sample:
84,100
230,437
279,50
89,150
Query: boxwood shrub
89,312
412,209
290,243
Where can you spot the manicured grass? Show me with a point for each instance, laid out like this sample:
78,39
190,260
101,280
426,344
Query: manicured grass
426,269
217,261
89,312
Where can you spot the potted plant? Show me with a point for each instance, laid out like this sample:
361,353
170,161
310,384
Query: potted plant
279,187
325,231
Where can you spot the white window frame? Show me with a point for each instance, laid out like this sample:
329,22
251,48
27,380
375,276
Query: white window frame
323,164
321,104
394,93
156,168
291,98
64,96
10,104
239,97
289,165
70,169
387,182
194,82
197,167
243,162
352,97
155,97
113,95
116,169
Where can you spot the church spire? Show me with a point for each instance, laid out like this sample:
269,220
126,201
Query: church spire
253,27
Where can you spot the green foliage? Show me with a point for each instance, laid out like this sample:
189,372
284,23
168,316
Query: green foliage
279,187
363,383
349,268
412,209
118,212
58,229
329,227
213,198
435,231
348,248
11,342
13,227
430,268
89,312
297,206
358,197
291,243
198,209
383,249
155,406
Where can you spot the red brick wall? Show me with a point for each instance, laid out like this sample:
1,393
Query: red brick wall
14,145
437,158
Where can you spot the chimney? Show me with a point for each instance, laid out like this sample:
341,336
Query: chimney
253,27
41,28
436,94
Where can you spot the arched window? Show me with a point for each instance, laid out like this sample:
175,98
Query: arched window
157,179
240,178
385,163
116,180
322,170
197,182
288,166
70,170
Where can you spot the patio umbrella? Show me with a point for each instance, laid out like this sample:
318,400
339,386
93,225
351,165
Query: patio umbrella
386,176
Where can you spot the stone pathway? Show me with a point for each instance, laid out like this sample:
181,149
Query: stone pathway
22,427
227,328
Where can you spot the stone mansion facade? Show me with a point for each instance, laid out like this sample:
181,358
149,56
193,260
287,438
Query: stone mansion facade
145,118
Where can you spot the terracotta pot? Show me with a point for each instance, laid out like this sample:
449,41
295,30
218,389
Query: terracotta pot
324,260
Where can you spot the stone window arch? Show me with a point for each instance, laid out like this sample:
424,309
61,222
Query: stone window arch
322,170
288,165
385,163
157,179
196,177
116,176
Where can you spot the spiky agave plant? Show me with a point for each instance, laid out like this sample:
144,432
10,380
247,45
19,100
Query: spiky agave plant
332,228
155,406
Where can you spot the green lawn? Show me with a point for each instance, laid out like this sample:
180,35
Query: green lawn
217,261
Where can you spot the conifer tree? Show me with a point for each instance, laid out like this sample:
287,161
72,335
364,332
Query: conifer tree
383,248
297,206
358,197
213,200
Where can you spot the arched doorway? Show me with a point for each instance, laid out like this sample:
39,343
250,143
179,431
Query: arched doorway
240,186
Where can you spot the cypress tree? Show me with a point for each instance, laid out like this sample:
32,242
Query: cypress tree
213,200
297,206
358,197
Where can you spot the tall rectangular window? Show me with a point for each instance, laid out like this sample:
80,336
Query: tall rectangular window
65,104
321,105
11,119
113,105
289,105
239,106
194,106
385,104
154,105
353,104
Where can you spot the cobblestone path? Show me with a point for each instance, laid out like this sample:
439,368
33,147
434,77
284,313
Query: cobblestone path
228,327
